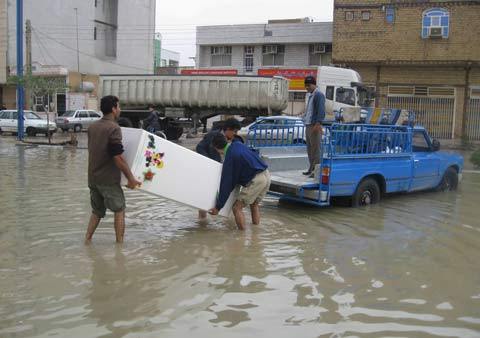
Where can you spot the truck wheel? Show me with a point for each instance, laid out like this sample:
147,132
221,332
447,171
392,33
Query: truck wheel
125,122
449,181
31,132
368,192
77,128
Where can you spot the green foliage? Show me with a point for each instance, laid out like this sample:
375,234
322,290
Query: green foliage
475,158
40,85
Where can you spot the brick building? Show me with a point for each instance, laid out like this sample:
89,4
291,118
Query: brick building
420,55
292,48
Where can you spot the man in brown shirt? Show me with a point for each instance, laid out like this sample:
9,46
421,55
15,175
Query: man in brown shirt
105,165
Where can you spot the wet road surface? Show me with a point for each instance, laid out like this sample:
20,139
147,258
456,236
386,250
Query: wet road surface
405,268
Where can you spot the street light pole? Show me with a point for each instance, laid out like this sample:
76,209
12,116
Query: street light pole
20,85
78,50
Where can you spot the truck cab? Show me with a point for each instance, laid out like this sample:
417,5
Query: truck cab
343,88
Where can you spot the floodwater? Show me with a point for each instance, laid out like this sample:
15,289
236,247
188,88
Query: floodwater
405,268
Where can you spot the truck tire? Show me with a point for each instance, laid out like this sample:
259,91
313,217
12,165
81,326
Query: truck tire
173,133
368,192
31,131
125,122
449,180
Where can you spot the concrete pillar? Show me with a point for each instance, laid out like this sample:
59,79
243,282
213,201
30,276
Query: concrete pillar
459,110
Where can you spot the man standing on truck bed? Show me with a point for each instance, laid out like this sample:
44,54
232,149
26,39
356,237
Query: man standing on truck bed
314,116
105,165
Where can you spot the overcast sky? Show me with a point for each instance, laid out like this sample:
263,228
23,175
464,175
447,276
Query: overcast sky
176,20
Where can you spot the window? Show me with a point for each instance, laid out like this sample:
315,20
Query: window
94,33
329,93
296,96
419,142
390,14
345,95
365,15
93,114
82,114
435,23
221,55
273,55
249,50
4,114
96,3
349,16
315,54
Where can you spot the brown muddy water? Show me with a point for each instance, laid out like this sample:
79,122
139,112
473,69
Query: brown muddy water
405,268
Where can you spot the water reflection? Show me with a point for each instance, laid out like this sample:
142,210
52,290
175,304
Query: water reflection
404,268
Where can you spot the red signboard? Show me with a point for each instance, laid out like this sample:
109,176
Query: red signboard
296,76
231,72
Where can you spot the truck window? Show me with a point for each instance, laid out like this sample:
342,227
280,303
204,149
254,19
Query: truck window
329,93
419,142
345,95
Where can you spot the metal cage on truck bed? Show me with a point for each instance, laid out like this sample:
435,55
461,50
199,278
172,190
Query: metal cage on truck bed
340,143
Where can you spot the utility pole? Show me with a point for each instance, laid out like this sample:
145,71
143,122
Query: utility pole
78,50
28,46
20,85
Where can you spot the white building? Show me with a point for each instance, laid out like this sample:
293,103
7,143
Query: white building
290,48
114,36
169,58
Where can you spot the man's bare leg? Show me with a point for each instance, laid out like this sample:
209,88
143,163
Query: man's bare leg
255,210
92,226
202,215
119,224
239,216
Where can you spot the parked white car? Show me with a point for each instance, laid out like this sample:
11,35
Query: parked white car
33,124
77,119
275,130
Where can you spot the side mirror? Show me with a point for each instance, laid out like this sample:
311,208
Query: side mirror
435,145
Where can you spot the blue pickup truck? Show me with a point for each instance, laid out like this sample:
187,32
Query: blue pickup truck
363,162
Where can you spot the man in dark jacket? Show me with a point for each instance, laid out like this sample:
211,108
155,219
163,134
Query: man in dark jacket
314,116
205,147
242,166
151,123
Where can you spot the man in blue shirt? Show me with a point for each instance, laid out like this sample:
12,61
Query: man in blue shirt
314,116
205,147
242,166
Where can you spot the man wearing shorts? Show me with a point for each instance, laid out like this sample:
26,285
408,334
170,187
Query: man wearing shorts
230,129
105,165
242,166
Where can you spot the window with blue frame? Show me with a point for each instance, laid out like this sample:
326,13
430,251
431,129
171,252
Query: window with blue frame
435,23
390,14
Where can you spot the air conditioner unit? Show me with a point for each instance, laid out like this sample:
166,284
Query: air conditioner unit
319,49
435,32
270,50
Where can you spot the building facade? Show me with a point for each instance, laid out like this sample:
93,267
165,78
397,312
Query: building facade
291,48
419,55
114,36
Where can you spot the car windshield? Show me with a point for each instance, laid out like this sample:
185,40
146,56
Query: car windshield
69,113
32,116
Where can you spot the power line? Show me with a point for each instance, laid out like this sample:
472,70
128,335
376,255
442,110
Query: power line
92,56
45,48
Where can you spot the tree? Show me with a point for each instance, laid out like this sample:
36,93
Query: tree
41,86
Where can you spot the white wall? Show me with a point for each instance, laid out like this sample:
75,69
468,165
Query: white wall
54,36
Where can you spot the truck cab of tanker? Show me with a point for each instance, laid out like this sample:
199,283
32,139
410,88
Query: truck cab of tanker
343,88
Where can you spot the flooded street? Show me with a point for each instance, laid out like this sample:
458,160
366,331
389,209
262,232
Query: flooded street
407,267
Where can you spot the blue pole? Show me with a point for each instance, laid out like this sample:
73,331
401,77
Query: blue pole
20,89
